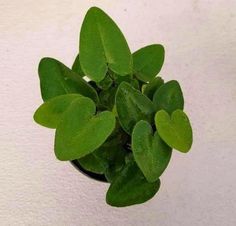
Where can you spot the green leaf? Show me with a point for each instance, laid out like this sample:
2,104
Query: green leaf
107,159
175,130
129,158
130,187
49,114
132,106
118,79
113,170
169,97
148,62
57,79
151,154
107,97
116,159
118,136
93,163
103,46
152,87
110,151
132,81
106,83
76,67
80,132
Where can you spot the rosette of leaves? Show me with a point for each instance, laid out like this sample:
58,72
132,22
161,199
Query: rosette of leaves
112,112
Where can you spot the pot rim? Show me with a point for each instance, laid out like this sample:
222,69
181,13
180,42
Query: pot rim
95,176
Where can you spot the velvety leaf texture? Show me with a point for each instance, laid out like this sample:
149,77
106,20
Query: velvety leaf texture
148,62
150,152
169,97
132,106
57,79
80,131
175,130
103,46
49,114
93,163
116,160
152,87
130,187
114,117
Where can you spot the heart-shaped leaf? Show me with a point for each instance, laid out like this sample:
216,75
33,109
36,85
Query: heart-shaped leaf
150,152
130,187
103,46
169,97
76,67
57,79
80,132
132,106
175,130
49,114
152,87
148,62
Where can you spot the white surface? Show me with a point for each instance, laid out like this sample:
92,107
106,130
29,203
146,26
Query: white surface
198,189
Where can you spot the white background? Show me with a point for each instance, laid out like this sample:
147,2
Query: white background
198,188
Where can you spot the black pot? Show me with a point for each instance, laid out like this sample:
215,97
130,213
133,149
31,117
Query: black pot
95,176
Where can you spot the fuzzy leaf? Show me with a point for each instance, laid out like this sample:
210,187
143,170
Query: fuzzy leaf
80,132
49,114
132,106
151,154
93,163
116,159
130,187
152,87
175,130
148,62
57,79
169,97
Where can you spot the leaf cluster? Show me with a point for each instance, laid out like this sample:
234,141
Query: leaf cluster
112,113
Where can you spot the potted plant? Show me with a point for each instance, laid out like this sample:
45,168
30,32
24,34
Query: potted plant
115,119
